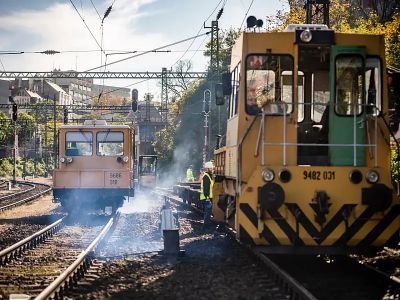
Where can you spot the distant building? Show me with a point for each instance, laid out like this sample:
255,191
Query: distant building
80,89
23,96
149,122
4,94
113,90
55,92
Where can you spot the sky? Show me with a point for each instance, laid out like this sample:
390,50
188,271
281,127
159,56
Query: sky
132,25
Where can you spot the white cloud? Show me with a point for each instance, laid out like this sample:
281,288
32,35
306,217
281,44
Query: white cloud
131,25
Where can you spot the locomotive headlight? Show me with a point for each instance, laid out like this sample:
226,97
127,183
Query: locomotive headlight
268,175
69,160
306,36
122,159
62,160
372,176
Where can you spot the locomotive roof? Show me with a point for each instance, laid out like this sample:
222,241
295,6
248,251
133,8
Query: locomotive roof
94,126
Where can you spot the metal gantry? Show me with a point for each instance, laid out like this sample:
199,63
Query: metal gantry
103,75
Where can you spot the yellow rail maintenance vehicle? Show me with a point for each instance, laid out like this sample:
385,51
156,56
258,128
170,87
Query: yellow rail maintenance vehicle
95,166
306,165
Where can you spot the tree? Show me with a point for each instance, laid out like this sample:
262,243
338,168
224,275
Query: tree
226,41
4,127
381,17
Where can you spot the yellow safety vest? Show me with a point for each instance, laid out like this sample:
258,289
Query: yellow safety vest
189,175
202,197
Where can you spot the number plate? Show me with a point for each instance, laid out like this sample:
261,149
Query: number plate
115,178
319,175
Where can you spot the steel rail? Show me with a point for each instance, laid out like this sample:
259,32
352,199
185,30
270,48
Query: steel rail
77,269
30,242
281,278
8,206
20,192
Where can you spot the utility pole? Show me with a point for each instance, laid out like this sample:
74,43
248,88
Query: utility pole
14,117
317,11
164,96
55,132
46,158
206,111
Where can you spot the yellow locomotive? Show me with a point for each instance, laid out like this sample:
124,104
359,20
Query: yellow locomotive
95,166
306,165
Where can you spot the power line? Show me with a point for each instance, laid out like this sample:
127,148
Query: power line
149,51
119,52
86,24
201,27
246,13
95,9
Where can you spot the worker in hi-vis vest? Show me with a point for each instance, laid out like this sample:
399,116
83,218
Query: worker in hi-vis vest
206,192
189,174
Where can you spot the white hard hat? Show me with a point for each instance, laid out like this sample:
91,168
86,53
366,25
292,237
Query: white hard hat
209,165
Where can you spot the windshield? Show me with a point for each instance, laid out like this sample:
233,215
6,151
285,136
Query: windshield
110,143
78,143
269,84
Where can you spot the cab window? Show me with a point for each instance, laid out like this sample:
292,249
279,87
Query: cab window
78,143
110,143
373,83
269,84
349,85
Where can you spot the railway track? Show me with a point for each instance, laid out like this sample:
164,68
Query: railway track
33,191
50,261
311,277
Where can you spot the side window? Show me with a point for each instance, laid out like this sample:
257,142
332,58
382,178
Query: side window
348,85
373,82
110,143
320,95
269,84
300,96
78,143
233,103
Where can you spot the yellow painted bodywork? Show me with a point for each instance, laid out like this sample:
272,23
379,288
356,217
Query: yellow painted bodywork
245,161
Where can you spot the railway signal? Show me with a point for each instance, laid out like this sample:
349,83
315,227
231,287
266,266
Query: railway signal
135,95
65,115
14,112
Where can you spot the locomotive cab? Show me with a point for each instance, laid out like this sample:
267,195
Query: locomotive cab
95,166
306,166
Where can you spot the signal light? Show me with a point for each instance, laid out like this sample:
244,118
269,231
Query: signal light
135,95
14,112
65,115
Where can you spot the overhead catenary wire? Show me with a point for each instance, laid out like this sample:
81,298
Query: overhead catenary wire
201,27
149,51
95,9
84,22
248,9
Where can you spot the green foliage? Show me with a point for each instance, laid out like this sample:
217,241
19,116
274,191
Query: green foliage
4,126
395,165
226,41
6,168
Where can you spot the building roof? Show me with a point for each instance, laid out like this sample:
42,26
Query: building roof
33,94
55,87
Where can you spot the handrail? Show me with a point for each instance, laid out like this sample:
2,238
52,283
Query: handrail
353,145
